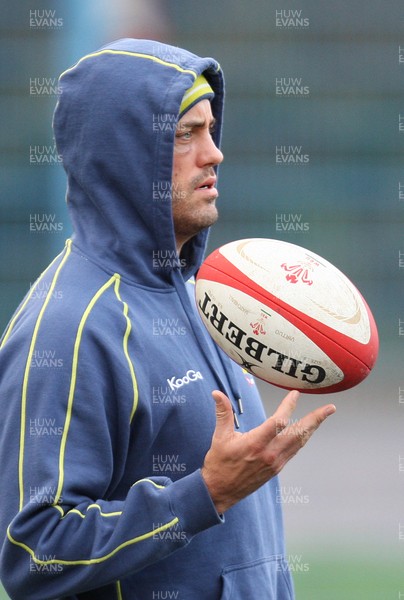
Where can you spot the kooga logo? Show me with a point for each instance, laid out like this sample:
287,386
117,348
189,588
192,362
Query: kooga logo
188,378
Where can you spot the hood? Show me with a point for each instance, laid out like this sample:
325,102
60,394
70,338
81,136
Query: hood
114,127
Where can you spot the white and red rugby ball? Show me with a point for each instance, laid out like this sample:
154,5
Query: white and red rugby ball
287,316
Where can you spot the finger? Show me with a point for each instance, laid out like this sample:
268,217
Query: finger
307,425
224,414
265,432
285,410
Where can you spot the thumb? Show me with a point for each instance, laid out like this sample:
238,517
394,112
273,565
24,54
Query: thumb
224,413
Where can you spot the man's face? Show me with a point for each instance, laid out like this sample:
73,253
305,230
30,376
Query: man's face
194,179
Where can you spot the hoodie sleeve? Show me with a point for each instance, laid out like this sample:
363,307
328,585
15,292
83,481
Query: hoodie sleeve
73,403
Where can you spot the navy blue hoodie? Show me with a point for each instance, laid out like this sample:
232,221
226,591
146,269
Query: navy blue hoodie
106,371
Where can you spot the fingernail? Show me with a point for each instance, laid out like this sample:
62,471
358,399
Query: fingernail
330,410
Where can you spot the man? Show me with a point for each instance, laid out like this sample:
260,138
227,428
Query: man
118,479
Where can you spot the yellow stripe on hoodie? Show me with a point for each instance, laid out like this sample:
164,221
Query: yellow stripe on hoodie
73,380
27,372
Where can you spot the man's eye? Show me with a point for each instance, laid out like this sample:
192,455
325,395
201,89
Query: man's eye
184,136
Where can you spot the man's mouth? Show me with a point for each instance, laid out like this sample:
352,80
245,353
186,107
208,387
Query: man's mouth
208,184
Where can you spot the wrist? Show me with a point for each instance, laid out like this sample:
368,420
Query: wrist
221,504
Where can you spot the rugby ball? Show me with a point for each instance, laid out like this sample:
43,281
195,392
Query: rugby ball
287,316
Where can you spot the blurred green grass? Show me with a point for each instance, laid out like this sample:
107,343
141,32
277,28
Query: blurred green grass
346,578
341,578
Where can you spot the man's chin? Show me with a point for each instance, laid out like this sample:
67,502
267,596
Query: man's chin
212,217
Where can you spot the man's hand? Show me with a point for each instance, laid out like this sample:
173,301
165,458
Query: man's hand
237,463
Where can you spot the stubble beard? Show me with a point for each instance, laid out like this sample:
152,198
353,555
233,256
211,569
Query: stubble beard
190,215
